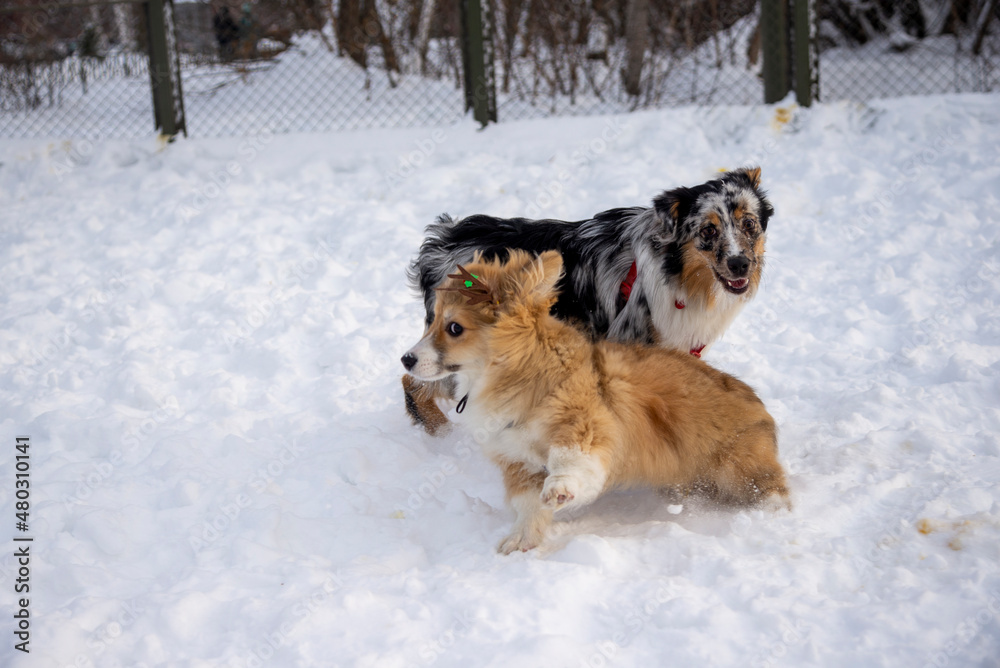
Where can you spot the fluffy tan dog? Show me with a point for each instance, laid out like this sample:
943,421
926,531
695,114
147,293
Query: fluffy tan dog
567,419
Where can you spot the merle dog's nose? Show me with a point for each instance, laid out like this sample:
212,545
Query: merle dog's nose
409,360
738,265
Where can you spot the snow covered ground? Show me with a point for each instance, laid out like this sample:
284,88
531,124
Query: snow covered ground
202,341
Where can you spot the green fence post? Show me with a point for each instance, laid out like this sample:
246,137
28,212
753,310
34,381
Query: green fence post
477,61
179,114
774,45
164,111
806,58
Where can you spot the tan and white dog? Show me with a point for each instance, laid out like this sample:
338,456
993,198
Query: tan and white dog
568,419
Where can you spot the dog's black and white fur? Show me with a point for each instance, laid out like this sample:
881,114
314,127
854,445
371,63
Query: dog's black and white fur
698,254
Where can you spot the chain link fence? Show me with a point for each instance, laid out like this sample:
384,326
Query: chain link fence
81,69
558,57
69,69
872,49
77,69
281,66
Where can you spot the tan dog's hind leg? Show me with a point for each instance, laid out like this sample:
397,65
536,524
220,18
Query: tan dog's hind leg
421,407
750,474
523,490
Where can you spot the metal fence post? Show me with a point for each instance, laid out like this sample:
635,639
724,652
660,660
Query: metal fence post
806,57
477,61
165,110
774,44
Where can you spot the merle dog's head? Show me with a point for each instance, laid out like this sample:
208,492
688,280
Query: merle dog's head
717,226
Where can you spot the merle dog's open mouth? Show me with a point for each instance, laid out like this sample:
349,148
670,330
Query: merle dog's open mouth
737,286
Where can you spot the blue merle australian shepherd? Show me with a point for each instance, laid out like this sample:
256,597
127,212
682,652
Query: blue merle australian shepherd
675,274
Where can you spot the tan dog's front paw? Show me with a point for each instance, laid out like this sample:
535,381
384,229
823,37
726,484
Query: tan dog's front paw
520,540
558,491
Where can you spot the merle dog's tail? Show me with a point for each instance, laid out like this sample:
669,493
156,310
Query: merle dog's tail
451,242
434,261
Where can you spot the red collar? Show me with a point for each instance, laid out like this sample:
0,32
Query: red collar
626,292
626,287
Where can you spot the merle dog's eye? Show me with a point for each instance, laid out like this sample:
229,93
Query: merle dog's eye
709,232
749,224
454,329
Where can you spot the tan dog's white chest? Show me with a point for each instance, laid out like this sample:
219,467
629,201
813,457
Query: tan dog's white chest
503,440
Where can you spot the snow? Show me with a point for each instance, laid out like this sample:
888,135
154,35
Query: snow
202,341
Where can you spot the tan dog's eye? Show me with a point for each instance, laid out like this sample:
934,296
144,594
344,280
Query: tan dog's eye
708,233
749,224
454,329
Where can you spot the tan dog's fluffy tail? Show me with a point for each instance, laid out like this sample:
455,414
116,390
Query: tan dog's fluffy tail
421,407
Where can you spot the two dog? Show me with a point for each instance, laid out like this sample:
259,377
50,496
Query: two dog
674,275
535,335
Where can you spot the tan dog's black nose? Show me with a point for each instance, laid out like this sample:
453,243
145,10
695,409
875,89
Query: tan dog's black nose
409,360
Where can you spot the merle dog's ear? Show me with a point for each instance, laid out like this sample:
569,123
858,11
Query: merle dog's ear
753,173
766,211
672,207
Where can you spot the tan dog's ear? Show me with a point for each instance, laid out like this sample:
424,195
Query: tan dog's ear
540,276
552,267
527,276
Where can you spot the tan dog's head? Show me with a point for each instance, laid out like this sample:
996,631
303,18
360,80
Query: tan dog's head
471,301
